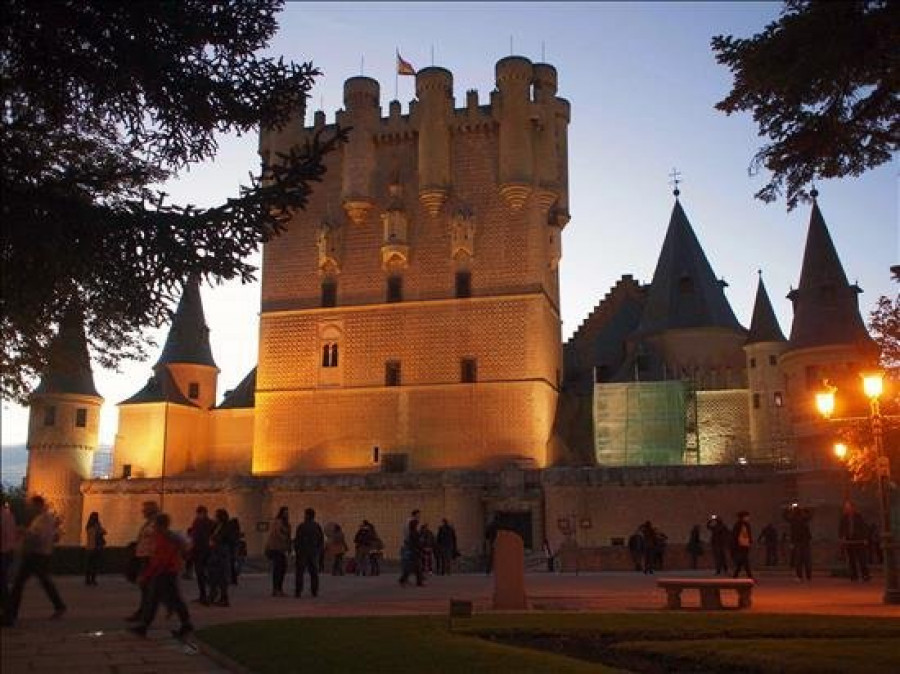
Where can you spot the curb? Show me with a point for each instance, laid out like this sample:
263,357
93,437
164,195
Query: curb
220,658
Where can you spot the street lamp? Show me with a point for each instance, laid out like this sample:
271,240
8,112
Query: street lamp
873,386
840,450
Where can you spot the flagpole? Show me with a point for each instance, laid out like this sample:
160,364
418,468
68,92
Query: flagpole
397,76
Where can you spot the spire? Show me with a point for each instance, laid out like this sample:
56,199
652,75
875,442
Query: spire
826,306
764,325
188,339
684,292
68,364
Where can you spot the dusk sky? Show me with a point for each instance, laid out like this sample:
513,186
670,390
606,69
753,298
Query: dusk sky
642,81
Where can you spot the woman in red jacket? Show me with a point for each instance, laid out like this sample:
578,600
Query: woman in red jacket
161,575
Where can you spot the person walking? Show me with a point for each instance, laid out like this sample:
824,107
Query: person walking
236,537
446,547
37,549
219,559
719,541
362,543
636,550
694,545
278,546
801,540
309,541
411,553
200,532
742,537
428,543
769,537
854,535
9,534
651,546
337,548
95,541
161,579
143,551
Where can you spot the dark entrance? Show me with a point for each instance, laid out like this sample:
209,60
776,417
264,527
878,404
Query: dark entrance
519,522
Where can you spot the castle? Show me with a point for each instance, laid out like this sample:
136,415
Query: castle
410,353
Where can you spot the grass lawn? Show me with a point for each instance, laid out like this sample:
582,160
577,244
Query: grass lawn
565,642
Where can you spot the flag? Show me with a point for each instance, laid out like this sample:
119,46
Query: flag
404,67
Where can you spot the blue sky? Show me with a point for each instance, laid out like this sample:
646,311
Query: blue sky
642,81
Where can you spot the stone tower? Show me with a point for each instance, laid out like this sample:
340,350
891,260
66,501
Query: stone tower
765,380
64,425
410,314
828,341
164,427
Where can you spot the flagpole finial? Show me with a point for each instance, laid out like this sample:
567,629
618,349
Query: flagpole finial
675,181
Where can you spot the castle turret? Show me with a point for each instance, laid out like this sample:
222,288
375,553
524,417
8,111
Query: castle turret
828,341
187,354
64,424
434,89
514,75
362,112
764,346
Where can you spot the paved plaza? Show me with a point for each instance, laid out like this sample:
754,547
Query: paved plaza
91,637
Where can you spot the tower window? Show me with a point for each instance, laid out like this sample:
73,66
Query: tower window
779,399
50,416
463,284
395,289
392,373
330,354
756,401
685,285
329,293
753,362
193,390
773,360
81,417
468,370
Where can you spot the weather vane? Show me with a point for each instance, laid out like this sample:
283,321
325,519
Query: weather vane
675,175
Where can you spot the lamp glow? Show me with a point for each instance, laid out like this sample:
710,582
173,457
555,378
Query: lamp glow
840,450
825,402
873,384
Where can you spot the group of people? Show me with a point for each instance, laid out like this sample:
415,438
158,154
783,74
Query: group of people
647,547
308,545
423,552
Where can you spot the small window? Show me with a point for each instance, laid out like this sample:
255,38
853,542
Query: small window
686,285
193,390
392,373
50,416
126,471
81,417
330,354
376,454
753,362
773,360
395,289
329,293
756,401
779,399
469,370
463,284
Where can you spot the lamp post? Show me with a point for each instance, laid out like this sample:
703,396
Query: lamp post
873,385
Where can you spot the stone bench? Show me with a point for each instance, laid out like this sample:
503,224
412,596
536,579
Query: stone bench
710,590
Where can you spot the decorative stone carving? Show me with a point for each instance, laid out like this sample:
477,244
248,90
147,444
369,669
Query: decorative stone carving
395,241
515,194
329,243
433,199
462,234
357,209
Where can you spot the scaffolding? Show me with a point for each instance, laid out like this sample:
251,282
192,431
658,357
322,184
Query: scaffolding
643,423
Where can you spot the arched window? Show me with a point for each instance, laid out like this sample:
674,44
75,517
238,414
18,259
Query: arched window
330,354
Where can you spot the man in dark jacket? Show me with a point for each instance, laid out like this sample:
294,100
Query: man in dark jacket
200,532
719,540
309,541
769,537
801,540
446,547
854,535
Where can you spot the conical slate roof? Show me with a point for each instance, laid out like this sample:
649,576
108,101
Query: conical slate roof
243,395
764,325
160,388
188,339
684,292
69,365
826,306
